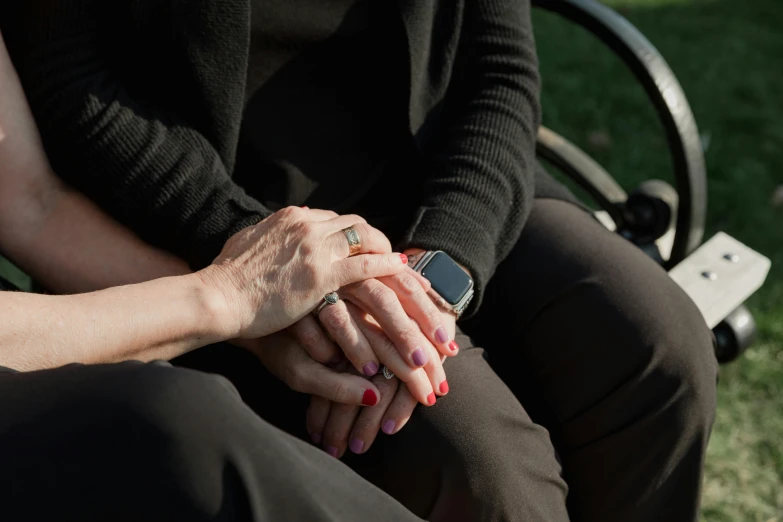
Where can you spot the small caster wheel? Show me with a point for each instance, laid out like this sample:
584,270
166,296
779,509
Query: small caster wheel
651,210
734,334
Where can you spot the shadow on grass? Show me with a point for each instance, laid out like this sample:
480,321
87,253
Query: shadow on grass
726,55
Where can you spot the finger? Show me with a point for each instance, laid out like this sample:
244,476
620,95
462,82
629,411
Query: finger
317,214
419,307
317,415
368,422
359,268
384,306
372,240
423,281
338,426
291,364
417,380
399,411
315,341
338,322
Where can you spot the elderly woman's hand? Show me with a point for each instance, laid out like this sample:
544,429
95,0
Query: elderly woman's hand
274,273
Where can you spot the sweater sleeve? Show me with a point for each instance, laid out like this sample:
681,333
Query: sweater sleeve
147,167
481,157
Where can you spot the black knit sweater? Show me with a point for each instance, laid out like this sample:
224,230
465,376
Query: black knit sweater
140,106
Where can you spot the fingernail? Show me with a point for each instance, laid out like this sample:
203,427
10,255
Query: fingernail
444,387
356,445
419,357
454,346
388,427
404,259
315,437
369,398
331,450
441,336
431,398
305,207
370,369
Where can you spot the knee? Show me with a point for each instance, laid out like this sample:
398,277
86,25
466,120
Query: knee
662,344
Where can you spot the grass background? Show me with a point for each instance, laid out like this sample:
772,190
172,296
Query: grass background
728,55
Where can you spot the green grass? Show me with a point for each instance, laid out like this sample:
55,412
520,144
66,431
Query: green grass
727,56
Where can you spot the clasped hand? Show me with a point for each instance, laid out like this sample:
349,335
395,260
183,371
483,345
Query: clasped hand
384,317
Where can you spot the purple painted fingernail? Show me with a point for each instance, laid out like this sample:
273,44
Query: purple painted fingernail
440,335
331,450
315,437
356,445
388,427
419,357
370,369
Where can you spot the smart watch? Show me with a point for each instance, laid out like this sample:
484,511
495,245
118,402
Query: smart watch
452,288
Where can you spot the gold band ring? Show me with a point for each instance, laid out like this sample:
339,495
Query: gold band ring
354,241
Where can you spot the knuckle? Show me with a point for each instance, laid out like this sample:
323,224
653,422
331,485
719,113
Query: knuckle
337,318
408,284
309,336
383,297
340,391
286,211
358,220
365,425
386,387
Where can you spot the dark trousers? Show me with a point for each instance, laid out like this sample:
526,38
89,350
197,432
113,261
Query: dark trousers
592,399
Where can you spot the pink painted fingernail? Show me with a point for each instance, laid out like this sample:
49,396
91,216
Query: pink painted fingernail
454,346
404,259
419,357
440,335
388,427
370,369
431,399
444,387
356,445
315,437
331,450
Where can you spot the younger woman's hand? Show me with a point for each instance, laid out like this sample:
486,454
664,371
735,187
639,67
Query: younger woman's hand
339,426
272,274
285,358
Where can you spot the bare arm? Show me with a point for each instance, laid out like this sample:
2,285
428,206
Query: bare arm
155,320
60,237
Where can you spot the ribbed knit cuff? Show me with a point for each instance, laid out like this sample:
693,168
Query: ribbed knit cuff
460,237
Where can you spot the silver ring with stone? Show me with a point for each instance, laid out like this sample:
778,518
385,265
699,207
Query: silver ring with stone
329,299
387,372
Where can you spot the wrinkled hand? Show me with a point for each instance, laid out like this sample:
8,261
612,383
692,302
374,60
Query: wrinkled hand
274,273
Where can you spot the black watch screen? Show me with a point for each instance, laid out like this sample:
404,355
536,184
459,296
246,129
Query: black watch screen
447,278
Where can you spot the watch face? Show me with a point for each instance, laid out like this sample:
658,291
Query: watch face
447,278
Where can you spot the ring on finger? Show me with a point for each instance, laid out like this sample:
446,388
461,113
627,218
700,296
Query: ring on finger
387,372
354,241
329,299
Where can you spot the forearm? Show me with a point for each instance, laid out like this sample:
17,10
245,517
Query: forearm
75,247
155,320
481,158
